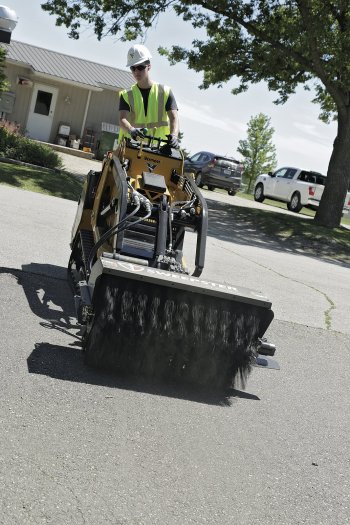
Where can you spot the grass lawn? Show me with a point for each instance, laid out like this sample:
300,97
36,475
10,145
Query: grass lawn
60,184
297,232
277,204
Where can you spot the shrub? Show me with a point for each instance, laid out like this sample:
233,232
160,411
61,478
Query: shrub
14,146
9,133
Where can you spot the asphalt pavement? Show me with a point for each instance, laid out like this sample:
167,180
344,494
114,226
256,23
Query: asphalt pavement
86,447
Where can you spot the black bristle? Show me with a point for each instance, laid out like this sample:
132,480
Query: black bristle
167,333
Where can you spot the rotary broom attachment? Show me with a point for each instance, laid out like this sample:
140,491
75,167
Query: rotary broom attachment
185,329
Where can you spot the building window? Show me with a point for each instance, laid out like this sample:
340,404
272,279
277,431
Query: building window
43,103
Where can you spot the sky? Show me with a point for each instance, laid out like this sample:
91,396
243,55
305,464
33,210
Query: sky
213,119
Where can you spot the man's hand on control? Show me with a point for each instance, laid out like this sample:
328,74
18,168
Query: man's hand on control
136,132
173,141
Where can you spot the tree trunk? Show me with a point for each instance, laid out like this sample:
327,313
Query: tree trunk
329,213
250,182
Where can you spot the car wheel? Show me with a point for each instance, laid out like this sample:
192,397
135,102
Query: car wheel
199,180
211,188
259,193
294,204
231,192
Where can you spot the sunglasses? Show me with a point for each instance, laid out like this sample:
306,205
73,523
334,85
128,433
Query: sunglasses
141,67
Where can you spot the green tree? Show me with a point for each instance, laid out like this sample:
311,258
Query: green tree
257,150
3,79
282,42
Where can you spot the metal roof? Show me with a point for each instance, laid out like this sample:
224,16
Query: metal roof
66,67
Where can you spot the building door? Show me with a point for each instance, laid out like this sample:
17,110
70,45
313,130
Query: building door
41,112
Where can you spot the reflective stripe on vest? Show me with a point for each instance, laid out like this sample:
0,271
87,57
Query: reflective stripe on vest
156,120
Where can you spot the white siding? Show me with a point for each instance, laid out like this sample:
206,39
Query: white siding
70,107
23,94
103,108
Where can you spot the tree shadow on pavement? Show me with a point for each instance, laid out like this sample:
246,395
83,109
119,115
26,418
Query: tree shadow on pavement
48,294
253,227
50,298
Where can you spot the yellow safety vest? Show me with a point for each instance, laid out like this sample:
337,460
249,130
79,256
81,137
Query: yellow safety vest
156,120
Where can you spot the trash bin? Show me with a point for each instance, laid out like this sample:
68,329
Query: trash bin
106,143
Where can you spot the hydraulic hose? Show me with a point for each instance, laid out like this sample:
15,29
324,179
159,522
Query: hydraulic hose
142,201
137,199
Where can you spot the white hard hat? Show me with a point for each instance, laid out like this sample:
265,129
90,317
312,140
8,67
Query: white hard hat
138,54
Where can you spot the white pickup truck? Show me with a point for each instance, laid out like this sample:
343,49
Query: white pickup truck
294,186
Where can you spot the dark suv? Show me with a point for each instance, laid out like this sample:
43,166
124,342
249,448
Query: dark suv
215,171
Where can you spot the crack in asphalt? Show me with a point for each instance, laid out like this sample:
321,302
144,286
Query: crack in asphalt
66,487
327,313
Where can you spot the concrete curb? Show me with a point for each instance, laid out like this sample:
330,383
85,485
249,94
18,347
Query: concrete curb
7,160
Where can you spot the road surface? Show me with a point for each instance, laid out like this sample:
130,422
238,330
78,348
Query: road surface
85,447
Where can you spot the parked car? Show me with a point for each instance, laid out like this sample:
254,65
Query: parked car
347,202
215,171
294,186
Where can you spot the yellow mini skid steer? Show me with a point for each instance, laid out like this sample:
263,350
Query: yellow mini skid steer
141,310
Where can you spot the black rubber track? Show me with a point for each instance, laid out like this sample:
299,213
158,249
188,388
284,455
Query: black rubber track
166,333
